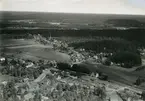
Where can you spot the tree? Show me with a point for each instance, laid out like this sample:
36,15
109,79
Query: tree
107,62
63,66
5,63
139,81
9,91
100,91
37,96
143,95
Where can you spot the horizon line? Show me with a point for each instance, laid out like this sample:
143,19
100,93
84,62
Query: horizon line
73,13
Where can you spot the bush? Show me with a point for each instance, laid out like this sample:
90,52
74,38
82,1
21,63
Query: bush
81,68
143,95
9,91
101,92
107,62
63,66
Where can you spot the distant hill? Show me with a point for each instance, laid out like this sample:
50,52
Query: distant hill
45,20
124,23
61,24
66,17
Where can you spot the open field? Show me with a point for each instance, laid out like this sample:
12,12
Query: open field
117,75
13,42
29,49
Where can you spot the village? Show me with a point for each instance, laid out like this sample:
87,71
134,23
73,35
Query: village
47,80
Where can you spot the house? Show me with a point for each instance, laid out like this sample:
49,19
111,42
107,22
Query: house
2,59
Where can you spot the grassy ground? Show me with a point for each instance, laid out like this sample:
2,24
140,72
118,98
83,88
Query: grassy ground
124,77
29,49
16,42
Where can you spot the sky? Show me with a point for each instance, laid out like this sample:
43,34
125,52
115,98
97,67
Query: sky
76,6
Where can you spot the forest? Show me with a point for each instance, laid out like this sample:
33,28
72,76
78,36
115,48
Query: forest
130,34
124,52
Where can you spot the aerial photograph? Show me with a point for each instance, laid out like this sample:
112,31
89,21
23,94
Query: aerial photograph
72,50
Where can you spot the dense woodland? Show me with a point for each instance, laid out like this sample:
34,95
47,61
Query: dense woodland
123,52
131,35
107,46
